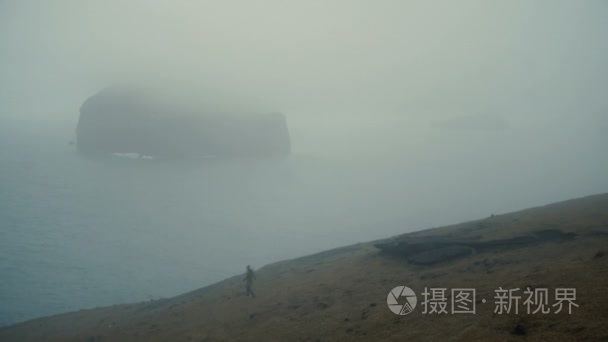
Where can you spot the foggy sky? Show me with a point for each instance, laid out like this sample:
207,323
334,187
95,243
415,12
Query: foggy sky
359,76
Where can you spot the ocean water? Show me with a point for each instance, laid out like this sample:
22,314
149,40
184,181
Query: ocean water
79,232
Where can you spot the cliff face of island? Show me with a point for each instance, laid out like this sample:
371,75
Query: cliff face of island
118,121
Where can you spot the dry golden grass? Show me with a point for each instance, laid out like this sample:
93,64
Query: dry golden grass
340,295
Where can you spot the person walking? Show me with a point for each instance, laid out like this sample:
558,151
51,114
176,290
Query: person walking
249,277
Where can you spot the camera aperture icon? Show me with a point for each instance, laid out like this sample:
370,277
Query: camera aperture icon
401,300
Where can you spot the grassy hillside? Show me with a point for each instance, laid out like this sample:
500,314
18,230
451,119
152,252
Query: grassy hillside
341,294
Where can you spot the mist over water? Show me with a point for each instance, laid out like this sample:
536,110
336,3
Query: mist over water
403,115
81,232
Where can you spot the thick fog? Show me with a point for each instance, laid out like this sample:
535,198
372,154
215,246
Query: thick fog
473,81
403,115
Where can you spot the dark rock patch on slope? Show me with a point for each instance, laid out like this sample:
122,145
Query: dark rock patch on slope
432,250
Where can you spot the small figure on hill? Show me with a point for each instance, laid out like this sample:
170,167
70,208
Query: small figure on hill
249,277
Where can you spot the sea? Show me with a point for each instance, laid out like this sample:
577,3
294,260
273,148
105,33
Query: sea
79,232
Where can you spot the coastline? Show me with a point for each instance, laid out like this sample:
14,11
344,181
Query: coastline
340,294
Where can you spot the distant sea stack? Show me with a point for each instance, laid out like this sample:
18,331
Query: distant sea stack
125,121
